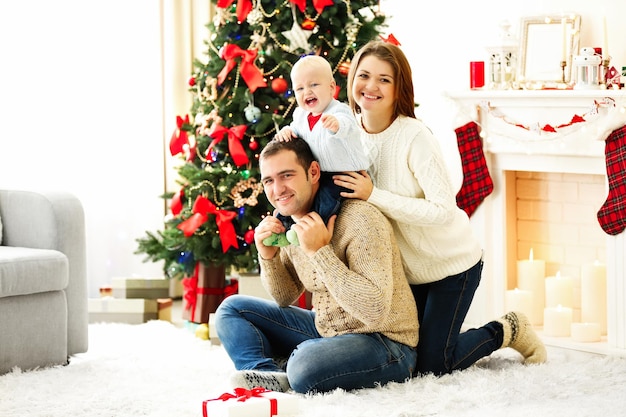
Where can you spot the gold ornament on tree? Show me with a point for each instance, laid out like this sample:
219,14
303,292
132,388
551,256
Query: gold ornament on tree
344,67
237,192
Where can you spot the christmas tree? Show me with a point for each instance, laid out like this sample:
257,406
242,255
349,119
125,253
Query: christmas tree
241,97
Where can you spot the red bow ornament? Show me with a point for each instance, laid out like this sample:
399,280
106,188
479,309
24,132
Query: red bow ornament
318,4
390,39
300,3
249,72
202,207
243,7
176,205
235,135
179,137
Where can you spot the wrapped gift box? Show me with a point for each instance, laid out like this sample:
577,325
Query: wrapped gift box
122,310
250,284
213,337
203,292
257,402
164,309
150,288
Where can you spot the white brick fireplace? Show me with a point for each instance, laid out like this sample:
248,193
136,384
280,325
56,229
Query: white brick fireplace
520,153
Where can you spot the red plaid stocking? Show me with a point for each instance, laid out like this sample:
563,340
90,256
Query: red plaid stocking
477,183
612,214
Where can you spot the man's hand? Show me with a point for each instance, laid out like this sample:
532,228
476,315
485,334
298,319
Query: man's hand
264,229
313,233
330,122
285,134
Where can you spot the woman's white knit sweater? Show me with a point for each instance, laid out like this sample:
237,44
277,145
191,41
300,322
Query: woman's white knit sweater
412,188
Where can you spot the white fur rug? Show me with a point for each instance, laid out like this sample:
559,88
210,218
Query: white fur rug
157,369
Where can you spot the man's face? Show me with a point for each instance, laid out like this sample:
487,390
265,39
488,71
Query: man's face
287,185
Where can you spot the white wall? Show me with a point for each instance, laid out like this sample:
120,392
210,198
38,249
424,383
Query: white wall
80,110
81,99
441,40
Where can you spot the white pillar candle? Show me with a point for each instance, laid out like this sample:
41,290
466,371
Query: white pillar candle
593,294
519,300
559,291
586,332
605,39
564,39
557,321
531,276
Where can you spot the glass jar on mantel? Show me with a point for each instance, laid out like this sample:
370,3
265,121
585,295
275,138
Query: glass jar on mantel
503,60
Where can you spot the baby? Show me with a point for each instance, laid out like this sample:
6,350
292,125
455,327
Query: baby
330,129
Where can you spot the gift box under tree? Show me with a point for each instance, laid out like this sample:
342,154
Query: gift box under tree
204,291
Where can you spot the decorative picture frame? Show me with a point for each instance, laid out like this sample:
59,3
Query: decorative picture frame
544,43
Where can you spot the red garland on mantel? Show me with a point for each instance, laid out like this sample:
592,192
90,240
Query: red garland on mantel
606,102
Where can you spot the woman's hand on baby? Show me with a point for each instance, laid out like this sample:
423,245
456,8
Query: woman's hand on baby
358,181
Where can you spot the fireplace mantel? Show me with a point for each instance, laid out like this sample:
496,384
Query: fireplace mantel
557,131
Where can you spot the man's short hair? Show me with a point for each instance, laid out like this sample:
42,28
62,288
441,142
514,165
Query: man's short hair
297,145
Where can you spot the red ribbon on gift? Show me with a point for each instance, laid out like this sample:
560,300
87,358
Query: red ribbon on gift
179,137
249,72
202,207
242,394
190,292
235,135
231,288
243,7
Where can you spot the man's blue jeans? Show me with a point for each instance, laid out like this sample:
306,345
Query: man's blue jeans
254,331
442,307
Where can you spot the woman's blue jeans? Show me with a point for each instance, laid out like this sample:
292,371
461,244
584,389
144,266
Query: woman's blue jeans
442,307
254,331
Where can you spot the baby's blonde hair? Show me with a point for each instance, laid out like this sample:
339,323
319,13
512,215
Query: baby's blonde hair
313,61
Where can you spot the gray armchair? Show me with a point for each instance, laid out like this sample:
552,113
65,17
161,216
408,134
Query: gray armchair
43,279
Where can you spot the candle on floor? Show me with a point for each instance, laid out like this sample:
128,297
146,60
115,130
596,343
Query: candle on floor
593,294
586,332
519,300
557,321
531,276
559,291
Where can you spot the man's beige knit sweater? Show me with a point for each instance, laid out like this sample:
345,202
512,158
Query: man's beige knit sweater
357,281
